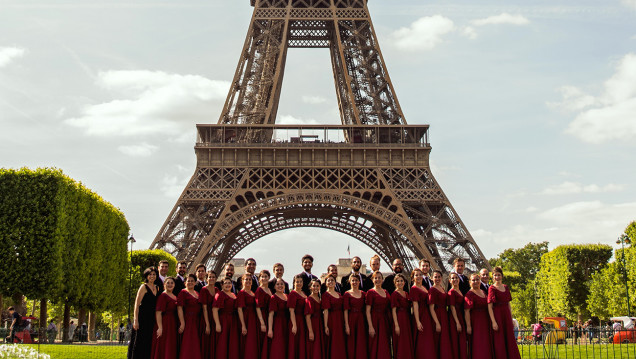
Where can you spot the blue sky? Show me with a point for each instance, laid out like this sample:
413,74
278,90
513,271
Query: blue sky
532,107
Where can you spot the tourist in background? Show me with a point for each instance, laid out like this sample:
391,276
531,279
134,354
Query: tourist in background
401,313
140,345
504,342
355,319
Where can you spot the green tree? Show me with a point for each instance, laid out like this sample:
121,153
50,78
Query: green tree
565,277
525,261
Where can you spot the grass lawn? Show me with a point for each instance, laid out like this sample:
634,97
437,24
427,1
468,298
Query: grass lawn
83,351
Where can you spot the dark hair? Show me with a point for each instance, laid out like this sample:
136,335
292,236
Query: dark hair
250,259
147,273
193,276
211,271
244,277
166,280
199,266
399,275
296,277
352,276
11,308
278,265
163,261
264,271
498,270
331,276
182,262
377,272
314,280
413,273
229,265
438,271
307,256
354,257
332,266
424,260
226,278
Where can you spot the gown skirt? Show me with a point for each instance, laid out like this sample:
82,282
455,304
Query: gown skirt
227,341
315,348
504,342
280,328
403,343
480,339
190,341
208,341
297,348
249,342
423,341
459,343
334,342
358,333
442,339
379,344
140,345
165,347
262,302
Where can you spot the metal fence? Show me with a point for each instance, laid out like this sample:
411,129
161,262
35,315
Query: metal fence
593,342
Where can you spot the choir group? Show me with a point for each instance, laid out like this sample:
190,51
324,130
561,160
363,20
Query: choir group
195,317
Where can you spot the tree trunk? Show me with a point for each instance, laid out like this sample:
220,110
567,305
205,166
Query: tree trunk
18,303
81,317
1,305
43,319
92,320
65,322
35,302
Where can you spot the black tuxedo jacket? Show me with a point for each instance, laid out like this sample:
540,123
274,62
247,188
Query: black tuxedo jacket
390,286
464,284
159,284
344,282
199,286
306,280
427,283
272,283
239,284
484,287
179,285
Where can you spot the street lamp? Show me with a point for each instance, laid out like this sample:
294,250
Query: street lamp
622,240
131,240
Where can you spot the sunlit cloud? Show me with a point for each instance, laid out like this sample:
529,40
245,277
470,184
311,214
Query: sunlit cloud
313,100
423,34
629,3
141,150
152,103
502,19
9,54
575,188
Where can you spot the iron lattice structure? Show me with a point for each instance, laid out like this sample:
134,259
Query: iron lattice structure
368,177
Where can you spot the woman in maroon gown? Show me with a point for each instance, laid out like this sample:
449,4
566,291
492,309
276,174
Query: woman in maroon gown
423,342
278,321
189,310
504,343
314,319
226,320
250,326
208,336
355,321
298,333
401,313
459,344
332,305
437,302
263,296
477,321
164,344
378,303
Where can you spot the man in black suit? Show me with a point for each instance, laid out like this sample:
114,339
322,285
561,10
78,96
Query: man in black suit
398,267
164,265
484,275
374,264
425,267
307,263
229,273
356,264
201,277
250,268
279,270
464,284
333,270
179,280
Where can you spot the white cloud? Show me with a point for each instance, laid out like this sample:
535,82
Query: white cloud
573,99
469,32
502,19
611,115
172,185
155,103
8,54
423,34
291,120
629,3
574,188
141,150
313,100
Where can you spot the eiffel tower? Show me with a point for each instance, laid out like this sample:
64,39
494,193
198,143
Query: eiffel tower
368,177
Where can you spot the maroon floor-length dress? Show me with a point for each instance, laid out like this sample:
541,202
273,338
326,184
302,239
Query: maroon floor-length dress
379,344
190,342
297,348
335,346
227,341
165,347
442,339
249,342
280,327
358,333
208,341
315,348
480,339
262,302
459,343
423,341
403,343
504,343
